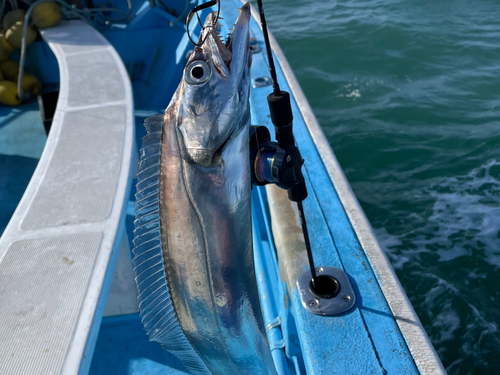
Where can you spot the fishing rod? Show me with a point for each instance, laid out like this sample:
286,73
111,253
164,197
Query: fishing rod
278,162
282,118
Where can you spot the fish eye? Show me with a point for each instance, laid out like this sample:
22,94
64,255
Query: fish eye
197,72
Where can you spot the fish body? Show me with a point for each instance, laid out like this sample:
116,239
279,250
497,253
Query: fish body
194,217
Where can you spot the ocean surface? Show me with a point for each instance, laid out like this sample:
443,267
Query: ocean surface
408,95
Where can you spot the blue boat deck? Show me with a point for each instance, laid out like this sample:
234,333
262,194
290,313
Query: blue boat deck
22,139
123,348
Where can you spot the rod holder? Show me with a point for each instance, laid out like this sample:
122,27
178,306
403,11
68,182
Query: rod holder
332,295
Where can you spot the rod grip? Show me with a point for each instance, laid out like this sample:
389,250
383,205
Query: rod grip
298,192
282,117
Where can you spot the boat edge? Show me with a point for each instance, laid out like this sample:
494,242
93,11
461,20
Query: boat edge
419,344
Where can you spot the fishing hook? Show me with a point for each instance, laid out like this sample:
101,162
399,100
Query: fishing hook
194,11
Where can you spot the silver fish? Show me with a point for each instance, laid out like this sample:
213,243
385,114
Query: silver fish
193,254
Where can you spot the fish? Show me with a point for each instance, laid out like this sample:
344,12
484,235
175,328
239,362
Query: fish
193,252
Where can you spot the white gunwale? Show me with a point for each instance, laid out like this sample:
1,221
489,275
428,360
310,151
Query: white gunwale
95,260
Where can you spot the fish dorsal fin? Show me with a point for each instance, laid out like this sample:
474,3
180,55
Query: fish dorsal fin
154,124
156,309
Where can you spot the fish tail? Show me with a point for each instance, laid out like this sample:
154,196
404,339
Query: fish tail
155,305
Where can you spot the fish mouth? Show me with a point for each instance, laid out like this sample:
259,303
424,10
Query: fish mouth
237,31
217,108
230,52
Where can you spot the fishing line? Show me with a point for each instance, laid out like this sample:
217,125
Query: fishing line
194,11
272,69
282,119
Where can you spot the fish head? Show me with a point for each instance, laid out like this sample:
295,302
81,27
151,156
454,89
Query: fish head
214,92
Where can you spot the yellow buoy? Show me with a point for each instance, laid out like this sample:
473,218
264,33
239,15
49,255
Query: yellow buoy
14,35
5,48
12,17
46,14
31,84
8,93
10,70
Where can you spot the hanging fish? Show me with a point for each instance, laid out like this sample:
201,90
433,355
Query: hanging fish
193,255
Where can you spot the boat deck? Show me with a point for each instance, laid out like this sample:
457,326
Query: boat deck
22,139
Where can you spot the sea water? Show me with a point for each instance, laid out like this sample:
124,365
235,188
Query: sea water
408,95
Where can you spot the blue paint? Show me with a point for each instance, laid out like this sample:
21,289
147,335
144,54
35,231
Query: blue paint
41,62
22,139
123,349
268,273
270,289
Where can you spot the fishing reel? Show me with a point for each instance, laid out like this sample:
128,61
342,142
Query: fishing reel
272,162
